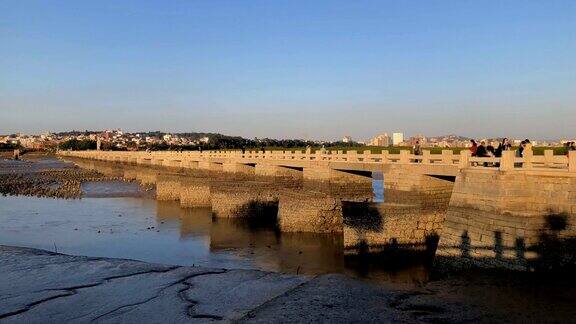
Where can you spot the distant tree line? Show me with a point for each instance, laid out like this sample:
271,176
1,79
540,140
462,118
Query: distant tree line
78,145
223,142
9,146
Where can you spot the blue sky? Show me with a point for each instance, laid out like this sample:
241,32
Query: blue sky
306,69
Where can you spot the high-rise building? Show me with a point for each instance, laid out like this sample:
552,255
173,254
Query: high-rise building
381,140
397,138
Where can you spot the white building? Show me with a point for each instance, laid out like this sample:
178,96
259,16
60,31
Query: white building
347,139
397,138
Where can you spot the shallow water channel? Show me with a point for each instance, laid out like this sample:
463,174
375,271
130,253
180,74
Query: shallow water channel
117,219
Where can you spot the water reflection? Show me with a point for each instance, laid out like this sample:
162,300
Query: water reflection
162,232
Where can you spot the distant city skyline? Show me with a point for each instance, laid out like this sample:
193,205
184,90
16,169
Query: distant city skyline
290,69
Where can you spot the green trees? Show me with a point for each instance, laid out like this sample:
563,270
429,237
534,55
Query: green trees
78,145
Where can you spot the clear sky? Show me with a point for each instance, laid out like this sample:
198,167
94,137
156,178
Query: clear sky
305,69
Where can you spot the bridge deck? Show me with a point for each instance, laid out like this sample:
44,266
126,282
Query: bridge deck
445,164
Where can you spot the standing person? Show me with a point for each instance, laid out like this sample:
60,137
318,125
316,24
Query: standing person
417,149
503,146
520,150
570,146
473,147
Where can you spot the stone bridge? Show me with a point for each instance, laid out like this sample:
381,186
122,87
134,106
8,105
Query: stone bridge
498,212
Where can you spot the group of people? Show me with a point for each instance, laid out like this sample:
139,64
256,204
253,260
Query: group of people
489,150
484,150
493,150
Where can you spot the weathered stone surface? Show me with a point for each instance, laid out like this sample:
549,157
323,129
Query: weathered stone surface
308,211
378,225
238,168
509,220
195,192
244,199
168,187
269,170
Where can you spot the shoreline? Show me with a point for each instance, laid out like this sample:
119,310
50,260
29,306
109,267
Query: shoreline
43,286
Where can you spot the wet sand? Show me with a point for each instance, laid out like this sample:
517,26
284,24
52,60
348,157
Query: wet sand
45,287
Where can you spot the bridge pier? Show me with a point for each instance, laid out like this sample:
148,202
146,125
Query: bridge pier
195,192
249,199
373,227
332,175
144,161
406,186
238,168
130,173
188,164
168,187
146,176
349,186
207,165
309,212
157,162
270,170
173,164
131,160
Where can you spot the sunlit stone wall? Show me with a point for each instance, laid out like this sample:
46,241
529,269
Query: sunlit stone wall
168,187
250,199
375,226
511,220
195,192
307,211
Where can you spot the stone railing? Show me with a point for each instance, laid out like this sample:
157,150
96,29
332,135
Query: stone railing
507,162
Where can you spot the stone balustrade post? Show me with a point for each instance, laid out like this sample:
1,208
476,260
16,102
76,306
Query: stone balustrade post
548,158
447,156
572,161
527,159
426,157
404,156
385,156
507,160
367,156
464,159
352,156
